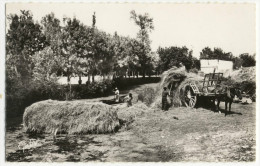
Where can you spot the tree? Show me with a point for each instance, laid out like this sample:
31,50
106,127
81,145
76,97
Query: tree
237,62
125,52
247,60
206,53
52,29
145,23
46,64
216,53
23,39
76,48
173,56
98,47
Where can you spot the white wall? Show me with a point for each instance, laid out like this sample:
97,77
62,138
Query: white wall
208,66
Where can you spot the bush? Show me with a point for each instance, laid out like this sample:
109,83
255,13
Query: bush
19,95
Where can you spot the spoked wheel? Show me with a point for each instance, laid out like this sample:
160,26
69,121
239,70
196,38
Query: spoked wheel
190,98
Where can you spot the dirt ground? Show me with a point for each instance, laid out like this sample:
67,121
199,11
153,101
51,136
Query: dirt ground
177,135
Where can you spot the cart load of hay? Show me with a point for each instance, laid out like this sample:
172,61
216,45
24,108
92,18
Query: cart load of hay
175,79
72,117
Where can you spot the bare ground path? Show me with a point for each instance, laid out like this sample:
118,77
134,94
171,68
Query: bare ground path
180,134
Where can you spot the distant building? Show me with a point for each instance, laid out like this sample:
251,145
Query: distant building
220,66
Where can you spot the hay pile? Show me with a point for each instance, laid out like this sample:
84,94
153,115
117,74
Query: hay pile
146,95
130,113
244,79
71,117
175,79
244,74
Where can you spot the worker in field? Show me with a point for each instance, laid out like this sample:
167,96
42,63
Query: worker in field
128,99
165,93
116,95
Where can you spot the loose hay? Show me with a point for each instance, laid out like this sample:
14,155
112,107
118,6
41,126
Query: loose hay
146,95
130,113
244,74
72,117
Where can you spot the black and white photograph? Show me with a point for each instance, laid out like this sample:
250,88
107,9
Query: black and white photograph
129,82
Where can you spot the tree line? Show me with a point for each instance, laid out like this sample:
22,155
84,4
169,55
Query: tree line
42,51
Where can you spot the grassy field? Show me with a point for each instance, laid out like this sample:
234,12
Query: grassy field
178,135
201,135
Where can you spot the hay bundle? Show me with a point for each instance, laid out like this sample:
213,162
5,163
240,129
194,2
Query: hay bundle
175,79
71,117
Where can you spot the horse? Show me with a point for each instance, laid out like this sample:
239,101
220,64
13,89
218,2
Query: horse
227,97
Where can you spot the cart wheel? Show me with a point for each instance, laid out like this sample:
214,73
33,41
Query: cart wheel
190,98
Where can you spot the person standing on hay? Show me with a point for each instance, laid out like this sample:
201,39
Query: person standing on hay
116,95
165,93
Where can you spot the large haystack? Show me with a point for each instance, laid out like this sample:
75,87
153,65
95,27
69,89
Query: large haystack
175,79
71,117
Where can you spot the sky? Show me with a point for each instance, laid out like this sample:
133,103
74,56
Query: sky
196,26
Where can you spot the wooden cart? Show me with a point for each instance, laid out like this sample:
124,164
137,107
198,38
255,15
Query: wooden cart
209,89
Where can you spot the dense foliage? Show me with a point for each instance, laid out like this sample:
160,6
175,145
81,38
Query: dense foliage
176,56
247,60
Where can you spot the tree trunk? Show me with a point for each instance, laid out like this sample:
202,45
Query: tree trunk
93,77
69,84
88,77
68,79
80,81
